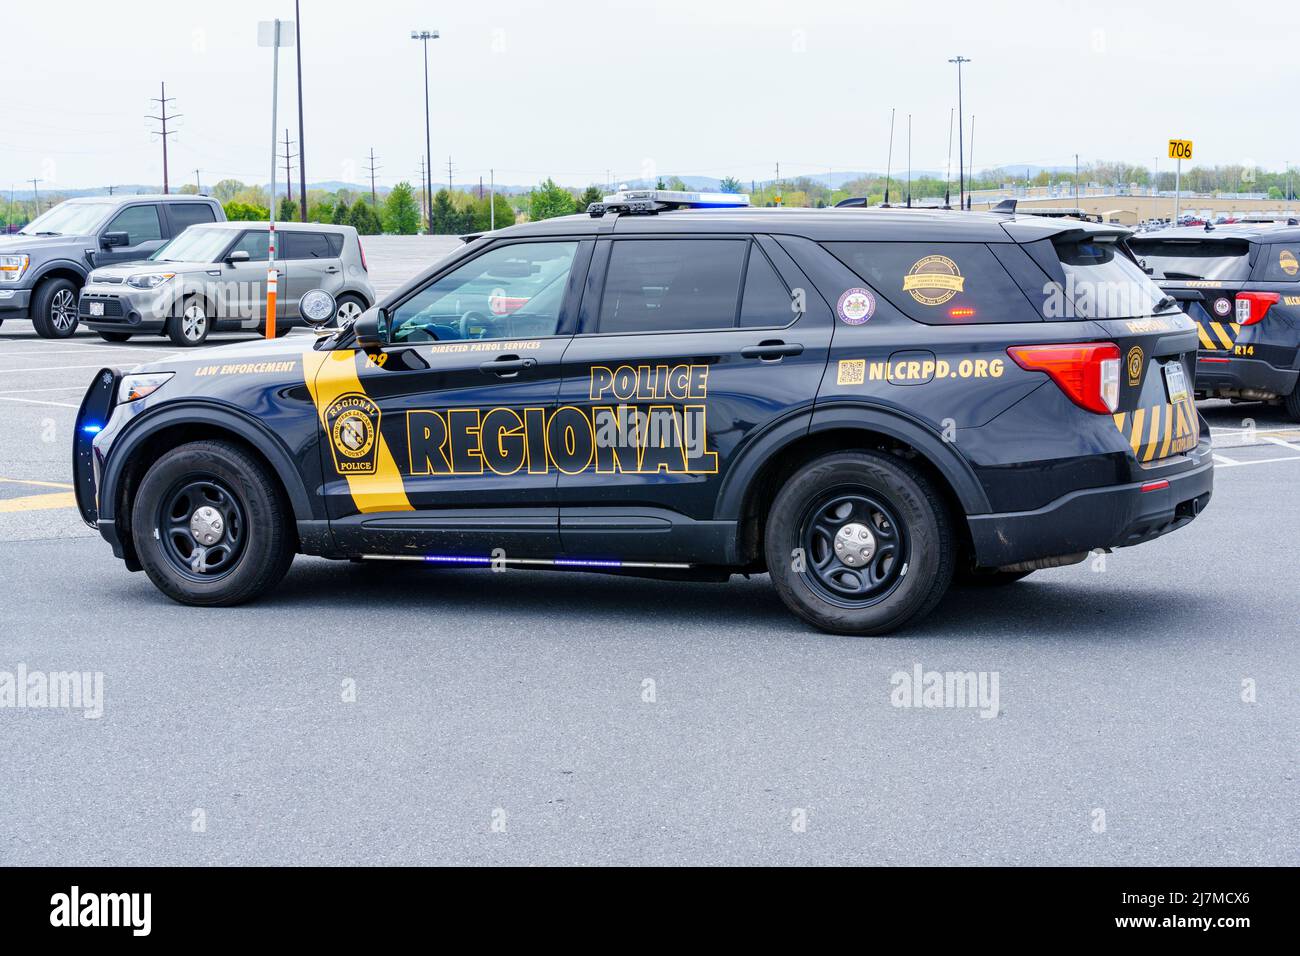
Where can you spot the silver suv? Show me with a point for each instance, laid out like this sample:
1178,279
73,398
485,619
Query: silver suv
213,278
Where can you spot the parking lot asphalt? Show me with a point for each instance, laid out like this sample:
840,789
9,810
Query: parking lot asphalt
1147,702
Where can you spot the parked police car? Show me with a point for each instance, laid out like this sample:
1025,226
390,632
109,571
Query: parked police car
1241,283
856,401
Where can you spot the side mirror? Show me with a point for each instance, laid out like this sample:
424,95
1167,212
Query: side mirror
371,329
317,307
111,240
239,255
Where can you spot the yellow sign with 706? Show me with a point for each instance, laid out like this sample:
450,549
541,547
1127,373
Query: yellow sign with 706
1180,149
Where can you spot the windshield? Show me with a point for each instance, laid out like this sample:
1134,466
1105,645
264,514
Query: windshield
69,219
1104,283
1196,259
195,244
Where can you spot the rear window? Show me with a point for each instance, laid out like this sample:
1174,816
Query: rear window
660,285
185,214
1193,259
1101,282
939,283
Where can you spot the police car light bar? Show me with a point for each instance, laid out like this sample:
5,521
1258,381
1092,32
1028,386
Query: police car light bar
647,202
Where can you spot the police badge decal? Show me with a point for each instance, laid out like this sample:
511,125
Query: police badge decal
352,422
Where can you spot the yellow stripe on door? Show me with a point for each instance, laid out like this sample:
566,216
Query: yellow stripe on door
1222,332
1135,439
1206,342
330,375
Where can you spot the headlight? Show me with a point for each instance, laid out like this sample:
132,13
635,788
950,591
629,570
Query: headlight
151,281
12,268
135,387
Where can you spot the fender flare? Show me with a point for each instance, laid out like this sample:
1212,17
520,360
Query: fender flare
205,413
70,265
854,416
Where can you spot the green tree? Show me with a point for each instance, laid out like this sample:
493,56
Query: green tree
363,218
730,184
482,218
226,190
443,214
676,183
340,217
320,211
401,214
246,212
549,201
288,210
590,195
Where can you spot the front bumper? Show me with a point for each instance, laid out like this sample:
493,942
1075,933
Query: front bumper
1117,516
124,310
1217,373
15,303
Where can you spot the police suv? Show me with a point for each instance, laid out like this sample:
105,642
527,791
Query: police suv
859,402
1241,283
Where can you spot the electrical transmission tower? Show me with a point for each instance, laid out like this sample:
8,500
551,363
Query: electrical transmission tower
164,118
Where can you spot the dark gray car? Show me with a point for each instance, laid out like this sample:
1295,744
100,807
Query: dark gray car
44,266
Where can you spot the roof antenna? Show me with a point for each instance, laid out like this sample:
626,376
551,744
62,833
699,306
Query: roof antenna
909,160
947,177
890,160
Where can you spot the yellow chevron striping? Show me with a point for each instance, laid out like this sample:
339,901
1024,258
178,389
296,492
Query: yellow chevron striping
1206,342
1149,448
1176,413
330,375
1222,332
1135,438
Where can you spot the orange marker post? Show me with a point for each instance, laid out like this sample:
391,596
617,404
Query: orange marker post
272,282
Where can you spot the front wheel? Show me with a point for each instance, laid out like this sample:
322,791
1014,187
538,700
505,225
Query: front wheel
211,526
192,326
1292,403
54,309
859,543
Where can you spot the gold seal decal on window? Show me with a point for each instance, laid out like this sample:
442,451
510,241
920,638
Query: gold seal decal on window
1287,262
933,280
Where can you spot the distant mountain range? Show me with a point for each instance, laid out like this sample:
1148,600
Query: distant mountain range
833,179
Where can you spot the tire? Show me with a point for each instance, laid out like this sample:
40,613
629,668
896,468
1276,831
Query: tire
1292,403
986,578
251,548
191,327
114,336
349,307
54,309
859,500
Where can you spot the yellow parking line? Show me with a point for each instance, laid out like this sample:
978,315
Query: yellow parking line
55,499
39,484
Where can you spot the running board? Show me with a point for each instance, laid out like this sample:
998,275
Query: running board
479,561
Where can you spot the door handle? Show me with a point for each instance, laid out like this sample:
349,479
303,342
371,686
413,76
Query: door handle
507,366
332,269
771,351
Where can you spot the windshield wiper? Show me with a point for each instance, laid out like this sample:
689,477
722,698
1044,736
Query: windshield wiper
1182,275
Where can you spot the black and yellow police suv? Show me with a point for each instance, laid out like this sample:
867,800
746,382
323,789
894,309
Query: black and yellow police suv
1241,283
856,401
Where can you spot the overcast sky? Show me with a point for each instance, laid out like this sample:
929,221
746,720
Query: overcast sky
571,89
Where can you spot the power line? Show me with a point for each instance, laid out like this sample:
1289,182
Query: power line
162,100
288,156
374,201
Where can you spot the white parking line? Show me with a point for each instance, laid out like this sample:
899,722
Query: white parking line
1284,444
1255,461
32,401
50,368
1224,460
57,388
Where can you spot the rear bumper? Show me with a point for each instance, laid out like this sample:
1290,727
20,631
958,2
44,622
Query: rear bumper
1117,516
15,303
1215,373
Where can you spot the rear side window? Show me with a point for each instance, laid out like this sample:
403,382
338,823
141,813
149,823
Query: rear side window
1282,262
1178,259
765,302
186,214
660,285
307,245
140,223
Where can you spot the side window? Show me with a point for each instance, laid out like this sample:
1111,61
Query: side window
509,292
662,285
939,283
306,245
186,214
255,244
1282,262
336,243
140,223
765,302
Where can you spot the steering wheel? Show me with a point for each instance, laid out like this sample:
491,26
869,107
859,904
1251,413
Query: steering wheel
474,318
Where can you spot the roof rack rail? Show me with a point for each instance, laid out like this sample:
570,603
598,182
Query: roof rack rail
852,201
1005,208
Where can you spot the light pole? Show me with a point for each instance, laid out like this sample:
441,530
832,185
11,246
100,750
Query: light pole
424,36
961,162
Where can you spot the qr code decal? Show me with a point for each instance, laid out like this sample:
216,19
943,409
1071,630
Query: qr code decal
852,372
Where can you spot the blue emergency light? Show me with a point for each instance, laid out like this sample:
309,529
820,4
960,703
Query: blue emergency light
647,202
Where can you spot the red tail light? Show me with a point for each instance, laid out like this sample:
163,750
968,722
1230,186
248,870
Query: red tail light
1252,306
362,249
1087,372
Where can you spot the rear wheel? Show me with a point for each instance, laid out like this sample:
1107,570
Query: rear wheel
114,336
349,307
191,327
211,526
859,543
54,309
1292,403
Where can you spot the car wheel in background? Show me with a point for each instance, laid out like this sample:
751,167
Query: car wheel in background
859,543
211,526
349,307
54,309
114,336
1292,404
191,327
